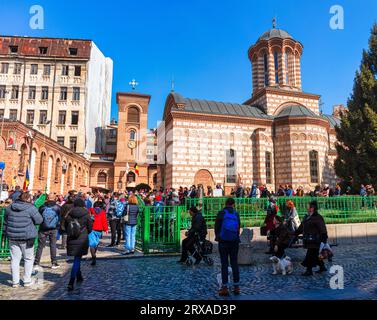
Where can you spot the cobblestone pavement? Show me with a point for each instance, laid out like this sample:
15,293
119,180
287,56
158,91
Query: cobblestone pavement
162,278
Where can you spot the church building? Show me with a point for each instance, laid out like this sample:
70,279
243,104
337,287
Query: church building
278,136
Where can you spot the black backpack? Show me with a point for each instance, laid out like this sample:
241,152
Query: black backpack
73,229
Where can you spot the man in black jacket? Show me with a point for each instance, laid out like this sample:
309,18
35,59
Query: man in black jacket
50,212
198,228
228,237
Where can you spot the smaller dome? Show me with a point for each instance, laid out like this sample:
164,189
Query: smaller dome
275,33
296,111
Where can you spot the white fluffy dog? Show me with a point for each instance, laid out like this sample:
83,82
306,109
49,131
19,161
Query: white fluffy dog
219,278
282,266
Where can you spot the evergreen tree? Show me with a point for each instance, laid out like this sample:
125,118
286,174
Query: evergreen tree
357,134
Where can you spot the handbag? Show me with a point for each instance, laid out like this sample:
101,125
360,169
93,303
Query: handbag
93,239
126,218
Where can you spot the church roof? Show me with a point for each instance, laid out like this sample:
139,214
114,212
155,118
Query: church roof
333,120
220,108
275,33
296,111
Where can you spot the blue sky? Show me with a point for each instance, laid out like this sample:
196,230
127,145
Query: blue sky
204,43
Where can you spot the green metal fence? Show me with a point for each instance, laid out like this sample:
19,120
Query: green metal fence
4,248
335,210
159,229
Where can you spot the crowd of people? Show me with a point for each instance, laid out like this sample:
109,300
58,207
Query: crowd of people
79,219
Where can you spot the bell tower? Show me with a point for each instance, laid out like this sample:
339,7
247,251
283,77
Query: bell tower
276,61
131,139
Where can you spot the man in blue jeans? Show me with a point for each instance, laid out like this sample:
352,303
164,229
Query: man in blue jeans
227,230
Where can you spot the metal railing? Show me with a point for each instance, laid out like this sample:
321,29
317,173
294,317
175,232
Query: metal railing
335,210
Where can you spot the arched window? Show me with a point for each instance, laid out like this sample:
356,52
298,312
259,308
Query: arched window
22,158
313,163
268,167
101,178
265,65
42,164
133,115
287,67
57,171
231,167
69,173
155,179
131,177
132,135
276,62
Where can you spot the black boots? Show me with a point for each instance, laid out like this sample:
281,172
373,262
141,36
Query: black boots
308,273
94,261
71,284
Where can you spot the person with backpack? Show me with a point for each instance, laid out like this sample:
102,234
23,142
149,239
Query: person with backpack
78,225
114,215
50,212
227,231
98,215
20,220
66,207
272,211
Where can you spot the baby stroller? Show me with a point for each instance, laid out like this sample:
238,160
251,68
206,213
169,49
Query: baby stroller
202,250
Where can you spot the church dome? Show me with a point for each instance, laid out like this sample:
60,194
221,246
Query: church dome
275,33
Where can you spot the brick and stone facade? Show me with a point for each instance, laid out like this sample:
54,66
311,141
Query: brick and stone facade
53,167
278,136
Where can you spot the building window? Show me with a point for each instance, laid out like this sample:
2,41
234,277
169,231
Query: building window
13,49
32,92
76,94
46,69
112,134
133,115
42,165
60,140
2,113
15,91
65,70
63,93
44,95
231,168
131,177
43,117
22,158
34,69
265,63
4,67
268,167
42,50
57,170
132,135
73,51
62,117
77,71
13,115
286,68
73,143
313,162
3,90
30,117
276,62
75,118
102,178
17,68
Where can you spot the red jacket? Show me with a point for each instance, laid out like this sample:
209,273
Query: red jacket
100,220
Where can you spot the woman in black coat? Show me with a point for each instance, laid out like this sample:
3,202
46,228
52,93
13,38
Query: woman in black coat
314,232
78,246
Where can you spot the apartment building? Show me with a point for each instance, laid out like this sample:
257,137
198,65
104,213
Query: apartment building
60,87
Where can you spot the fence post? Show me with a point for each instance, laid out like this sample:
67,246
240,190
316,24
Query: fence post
146,229
180,209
